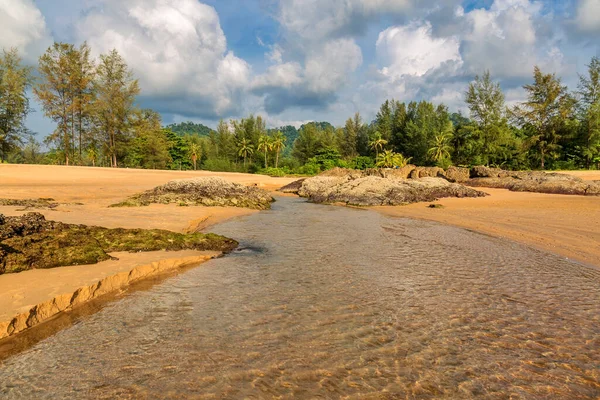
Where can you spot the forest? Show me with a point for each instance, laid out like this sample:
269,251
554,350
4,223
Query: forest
94,104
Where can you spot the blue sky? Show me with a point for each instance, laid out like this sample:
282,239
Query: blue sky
294,61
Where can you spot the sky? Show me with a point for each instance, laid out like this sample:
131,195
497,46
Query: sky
294,61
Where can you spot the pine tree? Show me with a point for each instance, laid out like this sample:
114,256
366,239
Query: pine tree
116,91
15,79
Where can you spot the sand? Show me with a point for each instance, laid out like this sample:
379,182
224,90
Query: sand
565,225
20,292
97,188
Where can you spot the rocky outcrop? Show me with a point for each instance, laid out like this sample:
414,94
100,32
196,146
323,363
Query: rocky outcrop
209,191
457,174
292,187
30,242
376,191
66,302
532,181
427,172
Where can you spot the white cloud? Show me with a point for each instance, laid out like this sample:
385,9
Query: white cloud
588,15
411,50
23,26
176,47
326,68
504,40
318,19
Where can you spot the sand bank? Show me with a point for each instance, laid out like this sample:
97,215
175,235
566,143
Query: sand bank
565,225
37,295
32,297
97,188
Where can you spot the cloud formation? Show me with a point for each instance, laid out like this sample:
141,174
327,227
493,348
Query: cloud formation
23,26
588,15
177,49
314,59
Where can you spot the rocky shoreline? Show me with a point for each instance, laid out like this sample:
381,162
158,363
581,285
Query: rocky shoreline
411,184
378,187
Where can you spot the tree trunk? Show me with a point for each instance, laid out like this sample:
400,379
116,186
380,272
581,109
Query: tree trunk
277,160
543,158
265,158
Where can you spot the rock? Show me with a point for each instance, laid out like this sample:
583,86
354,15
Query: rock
292,187
376,191
401,173
487,172
30,242
27,224
535,181
426,172
209,191
457,174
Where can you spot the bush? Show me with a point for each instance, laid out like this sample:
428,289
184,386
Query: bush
361,162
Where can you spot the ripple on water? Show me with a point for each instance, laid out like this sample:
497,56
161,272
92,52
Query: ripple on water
334,302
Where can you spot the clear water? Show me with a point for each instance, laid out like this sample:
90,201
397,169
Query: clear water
331,302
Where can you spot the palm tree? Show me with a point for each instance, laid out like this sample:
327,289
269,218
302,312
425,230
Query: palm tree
92,153
264,144
441,147
377,143
245,149
278,143
389,159
194,152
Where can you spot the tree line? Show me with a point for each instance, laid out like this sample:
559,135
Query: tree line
98,123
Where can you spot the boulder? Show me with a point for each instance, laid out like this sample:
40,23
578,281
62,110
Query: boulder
457,174
209,191
426,172
292,187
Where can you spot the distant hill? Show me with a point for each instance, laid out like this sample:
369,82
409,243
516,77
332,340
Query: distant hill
190,128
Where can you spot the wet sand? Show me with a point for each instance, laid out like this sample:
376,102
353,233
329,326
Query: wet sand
20,292
565,225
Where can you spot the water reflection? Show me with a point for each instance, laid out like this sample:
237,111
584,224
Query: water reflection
326,302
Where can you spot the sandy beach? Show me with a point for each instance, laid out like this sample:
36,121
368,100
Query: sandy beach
564,225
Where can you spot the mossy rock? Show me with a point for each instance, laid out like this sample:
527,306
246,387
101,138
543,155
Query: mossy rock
208,192
32,242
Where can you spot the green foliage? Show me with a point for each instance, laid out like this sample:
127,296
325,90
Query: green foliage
93,103
15,80
190,128
389,159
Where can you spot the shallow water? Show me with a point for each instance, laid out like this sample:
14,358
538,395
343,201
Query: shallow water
331,302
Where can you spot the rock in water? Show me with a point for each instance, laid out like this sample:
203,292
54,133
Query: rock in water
209,191
378,191
292,187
